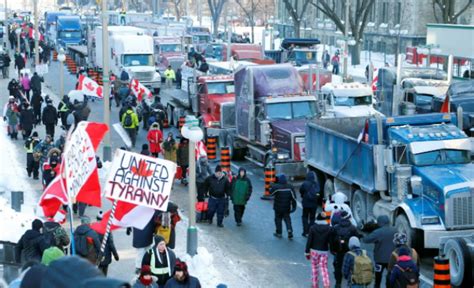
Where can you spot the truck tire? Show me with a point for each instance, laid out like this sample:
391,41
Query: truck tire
328,189
460,262
415,240
235,153
359,207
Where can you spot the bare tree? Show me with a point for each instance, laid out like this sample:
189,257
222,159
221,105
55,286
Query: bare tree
177,8
250,9
296,12
216,7
357,24
447,10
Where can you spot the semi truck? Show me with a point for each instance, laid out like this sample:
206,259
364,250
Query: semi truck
69,31
297,51
270,115
415,169
168,52
132,51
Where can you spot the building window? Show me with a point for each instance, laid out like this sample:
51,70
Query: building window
384,12
398,13
372,12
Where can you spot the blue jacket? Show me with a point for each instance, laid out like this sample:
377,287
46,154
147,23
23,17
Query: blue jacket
310,183
405,262
383,240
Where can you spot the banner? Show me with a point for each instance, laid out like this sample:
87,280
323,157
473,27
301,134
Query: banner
89,87
140,180
139,90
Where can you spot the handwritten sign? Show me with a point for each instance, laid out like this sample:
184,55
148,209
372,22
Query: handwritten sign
141,180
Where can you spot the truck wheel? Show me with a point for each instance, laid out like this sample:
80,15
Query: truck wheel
403,225
460,262
328,189
359,207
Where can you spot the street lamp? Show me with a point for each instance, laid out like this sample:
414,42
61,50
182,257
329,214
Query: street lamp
192,132
61,58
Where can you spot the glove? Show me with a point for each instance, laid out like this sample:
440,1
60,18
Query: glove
129,231
307,255
116,257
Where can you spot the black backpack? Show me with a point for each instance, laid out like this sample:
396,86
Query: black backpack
80,243
408,278
341,241
128,121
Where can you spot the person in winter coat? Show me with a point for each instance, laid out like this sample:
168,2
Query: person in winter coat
219,189
27,120
349,264
343,232
335,63
145,112
325,59
241,192
155,138
309,191
40,152
32,244
400,240
169,77
183,158
106,257
145,150
143,239
14,88
25,85
317,249
130,123
87,241
35,83
168,219
383,240
158,112
6,66
19,63
51,254
170,147
55,234
404,265
162,261
181,278
145,279
179,77
64,109
81,111
203,170
12,116
50,118
32,166
284,203
36,102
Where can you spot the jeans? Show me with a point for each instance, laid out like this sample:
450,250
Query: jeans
216,205
335,69
239,213
309,215
279,217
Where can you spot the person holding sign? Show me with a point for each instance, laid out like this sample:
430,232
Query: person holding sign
161,260
219,190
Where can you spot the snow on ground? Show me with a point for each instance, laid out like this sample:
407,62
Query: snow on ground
13,178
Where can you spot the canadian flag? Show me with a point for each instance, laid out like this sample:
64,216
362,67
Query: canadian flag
54,196
375,78
89,87
31,33
200,149
139,90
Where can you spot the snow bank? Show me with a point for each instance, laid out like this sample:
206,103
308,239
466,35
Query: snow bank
13,223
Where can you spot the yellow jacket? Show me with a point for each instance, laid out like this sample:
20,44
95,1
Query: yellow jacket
169,74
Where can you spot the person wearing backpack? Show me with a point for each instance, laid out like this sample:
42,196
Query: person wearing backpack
400,240
383,240
130,123
405,273
309,191
87,241
357,267
343,231
55,234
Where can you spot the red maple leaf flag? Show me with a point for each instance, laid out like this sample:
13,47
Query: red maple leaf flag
89,87
139,90
53,197
142,169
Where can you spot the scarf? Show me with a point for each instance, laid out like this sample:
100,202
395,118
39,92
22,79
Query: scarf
158,257
146,282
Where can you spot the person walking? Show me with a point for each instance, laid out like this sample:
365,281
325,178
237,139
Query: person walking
158,112
400,240
27,120
19,63
162,261
55,234
32,243
169,77
383,240
25,85
179,77
130,123
87,242
183,158
317,249
405,272
284,204
309,191
343,231
203,171
35,83
50,118
64,109
36,101
106,256
325,58
14,88
357,267
32,166
182,278
6,65
145,279
219,190
169,148
142,239
335,63
240,195
12,118
155,138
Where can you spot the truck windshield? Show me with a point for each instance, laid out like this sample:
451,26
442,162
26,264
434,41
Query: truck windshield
220,88
305,57
201,38
352,101
170,48
291,110
70,34
137,60
445,156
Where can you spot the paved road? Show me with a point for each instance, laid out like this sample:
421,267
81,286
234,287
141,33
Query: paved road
260,257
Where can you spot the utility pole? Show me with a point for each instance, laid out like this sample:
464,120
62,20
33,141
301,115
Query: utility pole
199,10
346,35
105,76
35,8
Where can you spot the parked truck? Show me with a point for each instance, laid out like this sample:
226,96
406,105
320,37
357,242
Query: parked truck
69,31
132,51
168,52
297,51
270,116
415,169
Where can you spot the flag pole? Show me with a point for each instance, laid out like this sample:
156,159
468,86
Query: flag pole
69,208
107,232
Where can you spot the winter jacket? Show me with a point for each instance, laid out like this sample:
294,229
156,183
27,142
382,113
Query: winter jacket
344,230
348,263
241,190
191,282
285,198
109,250
55,235
169,150
394,257
183,154
203,170
169,74
93,242
157,262
6,60
404,262
134,116
144,238
14,88
36,101
42,149
12,115
310,185
27,119
50,115
31,246
217,187
81,112
25,83
35,82
155,137
319,237
19,62
383,240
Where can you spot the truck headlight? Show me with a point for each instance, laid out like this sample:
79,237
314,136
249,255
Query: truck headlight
213,123
430,220
283,156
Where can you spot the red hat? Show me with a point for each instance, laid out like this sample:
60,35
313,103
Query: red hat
146,270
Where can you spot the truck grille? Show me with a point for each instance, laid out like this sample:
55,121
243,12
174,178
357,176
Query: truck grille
228,115
461,211
144,76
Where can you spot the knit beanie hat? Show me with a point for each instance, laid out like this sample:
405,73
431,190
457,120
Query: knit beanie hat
400,239
145,270
51,254
218,169
354,242
158,239
37,224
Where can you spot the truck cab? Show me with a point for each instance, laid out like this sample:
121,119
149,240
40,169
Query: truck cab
418,95
69,31
168,51
348,100
296,51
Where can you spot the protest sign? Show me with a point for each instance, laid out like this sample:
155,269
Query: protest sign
140,180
